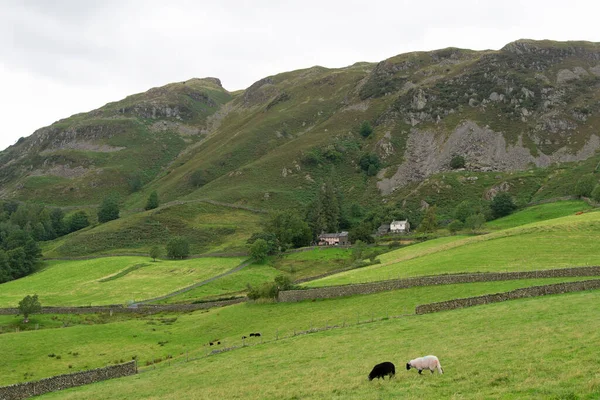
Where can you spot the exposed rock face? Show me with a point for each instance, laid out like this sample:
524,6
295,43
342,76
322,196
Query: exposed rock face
483,149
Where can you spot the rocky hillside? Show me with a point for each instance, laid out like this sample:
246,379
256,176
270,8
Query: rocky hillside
525,107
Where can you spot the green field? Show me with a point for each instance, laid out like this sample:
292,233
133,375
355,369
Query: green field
103,344
538,213
542,348
88,282
556,243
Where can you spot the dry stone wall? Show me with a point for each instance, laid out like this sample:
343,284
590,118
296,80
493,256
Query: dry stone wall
533,291
375,287
60,382
141,309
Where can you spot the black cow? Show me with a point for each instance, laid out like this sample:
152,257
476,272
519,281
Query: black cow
257,334
244,337
381,370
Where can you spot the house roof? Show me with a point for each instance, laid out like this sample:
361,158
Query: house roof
333,235
400,222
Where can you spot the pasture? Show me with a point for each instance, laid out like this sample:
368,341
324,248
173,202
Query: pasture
111,280
524,349
99,344
556,243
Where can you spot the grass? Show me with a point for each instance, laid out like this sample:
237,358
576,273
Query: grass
208,227
314,262
111,280
557,243
523,349
102,344
539,213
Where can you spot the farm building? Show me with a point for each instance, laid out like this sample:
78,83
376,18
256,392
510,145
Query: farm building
383,229
400,226
334,239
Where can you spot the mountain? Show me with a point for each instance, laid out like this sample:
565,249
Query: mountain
524,119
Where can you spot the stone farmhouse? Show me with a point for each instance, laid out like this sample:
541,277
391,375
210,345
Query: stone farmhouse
334,239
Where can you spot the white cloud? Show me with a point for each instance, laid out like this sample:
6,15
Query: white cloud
67,56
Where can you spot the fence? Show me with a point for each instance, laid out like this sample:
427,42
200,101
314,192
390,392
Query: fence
532,291
381,286
60,382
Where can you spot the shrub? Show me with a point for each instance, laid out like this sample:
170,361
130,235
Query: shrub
365,129
259,250
109,209
457,162
585,185
596,194
152,201
199,178
455,226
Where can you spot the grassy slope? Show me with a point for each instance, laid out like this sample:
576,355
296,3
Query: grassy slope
102,344
78,282
209,228
540,212
561,242
525,349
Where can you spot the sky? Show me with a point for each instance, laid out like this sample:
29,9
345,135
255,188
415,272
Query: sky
62,57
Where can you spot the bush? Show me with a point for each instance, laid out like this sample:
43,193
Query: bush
178,247
259,250
596,194
457,162
475,222
199,178
77,221
455,226
152,201
365,129
585,185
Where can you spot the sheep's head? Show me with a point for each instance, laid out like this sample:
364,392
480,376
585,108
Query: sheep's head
408,366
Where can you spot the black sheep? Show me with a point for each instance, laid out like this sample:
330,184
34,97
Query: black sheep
383,369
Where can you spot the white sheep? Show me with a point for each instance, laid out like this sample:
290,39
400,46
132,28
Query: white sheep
427,362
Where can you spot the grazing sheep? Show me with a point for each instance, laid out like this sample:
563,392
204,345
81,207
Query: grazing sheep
427,362
381,370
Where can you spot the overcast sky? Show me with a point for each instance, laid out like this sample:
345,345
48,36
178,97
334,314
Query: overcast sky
61,57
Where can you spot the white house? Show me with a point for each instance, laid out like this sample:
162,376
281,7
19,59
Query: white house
400,226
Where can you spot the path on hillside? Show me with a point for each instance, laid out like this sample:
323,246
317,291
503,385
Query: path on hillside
195,285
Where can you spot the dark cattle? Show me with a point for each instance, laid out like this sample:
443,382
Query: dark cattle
218,342
252,334
244,337
381,370
257,334
211,343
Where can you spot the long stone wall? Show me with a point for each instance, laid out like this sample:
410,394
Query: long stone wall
60,382
382,286
140,309
533,291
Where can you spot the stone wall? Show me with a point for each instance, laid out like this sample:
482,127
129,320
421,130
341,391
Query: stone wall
140,309
375,287
60,382
533,291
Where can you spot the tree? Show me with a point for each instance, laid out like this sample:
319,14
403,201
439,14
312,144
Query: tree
502,205
155,252
259,250
358,250
109,209
365,129
429,223
596,194
475,222
178,247
457,162
152,201
199,178
289,229
77,221
29,305
455,226
369,162
463,210
361,232
585,185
